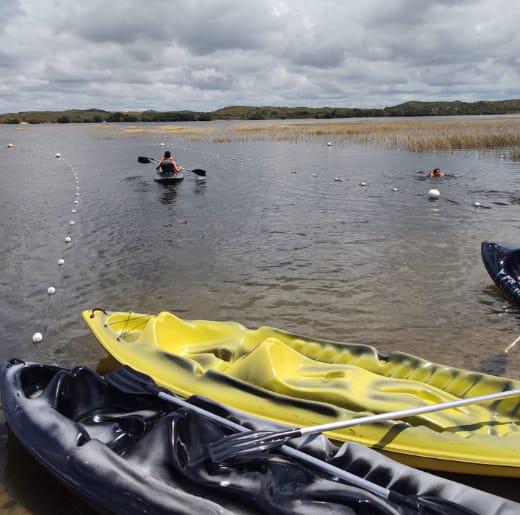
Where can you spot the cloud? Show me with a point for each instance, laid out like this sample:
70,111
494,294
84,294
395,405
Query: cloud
205,54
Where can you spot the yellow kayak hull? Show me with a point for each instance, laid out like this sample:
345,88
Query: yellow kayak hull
303,381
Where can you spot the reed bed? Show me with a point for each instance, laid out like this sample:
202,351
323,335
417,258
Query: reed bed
407,134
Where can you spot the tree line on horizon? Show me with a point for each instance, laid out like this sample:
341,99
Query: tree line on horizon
412,108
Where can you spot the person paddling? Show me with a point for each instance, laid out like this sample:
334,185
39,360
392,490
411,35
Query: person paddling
167,164
436,172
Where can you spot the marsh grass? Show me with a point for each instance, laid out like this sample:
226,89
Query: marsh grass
407,134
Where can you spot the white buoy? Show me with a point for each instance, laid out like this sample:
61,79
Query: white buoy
395,189
58,155
362,183
337,179
72,222
68,239
329,144
37,337
51,290
434,194
76,202
10,145
162,144
73,210
61,261
476,204
293,171
77,188
77,193
313,174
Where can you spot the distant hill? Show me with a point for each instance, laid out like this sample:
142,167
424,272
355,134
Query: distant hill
412,108
453,108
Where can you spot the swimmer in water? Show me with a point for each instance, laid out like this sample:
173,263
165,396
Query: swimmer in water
436,172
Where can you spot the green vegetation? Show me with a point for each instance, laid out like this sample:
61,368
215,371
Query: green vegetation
265,113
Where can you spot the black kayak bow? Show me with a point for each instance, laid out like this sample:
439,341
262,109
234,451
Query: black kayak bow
130,381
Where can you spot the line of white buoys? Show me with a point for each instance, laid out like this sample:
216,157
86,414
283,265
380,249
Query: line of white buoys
51,290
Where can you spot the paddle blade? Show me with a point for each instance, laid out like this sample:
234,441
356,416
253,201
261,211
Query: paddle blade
236,447
144,160
129,381
199,172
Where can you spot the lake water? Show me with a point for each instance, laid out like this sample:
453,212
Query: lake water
256,243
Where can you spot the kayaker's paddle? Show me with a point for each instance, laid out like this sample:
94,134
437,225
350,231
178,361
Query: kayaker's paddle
130,381
147,160
236,446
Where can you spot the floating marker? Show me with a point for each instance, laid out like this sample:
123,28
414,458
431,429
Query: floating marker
72,222
313,174
51,290
362,183
434,194
68,239
162,144
10,145
337,179
73,210
329,144
476,204
61,261
76,202
293,171
58,155
77,193
395,189
37,337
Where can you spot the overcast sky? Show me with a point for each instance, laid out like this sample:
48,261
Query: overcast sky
204,54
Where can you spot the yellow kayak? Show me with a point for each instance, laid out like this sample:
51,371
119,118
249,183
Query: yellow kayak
305,381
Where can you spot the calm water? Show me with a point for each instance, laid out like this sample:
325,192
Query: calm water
261,245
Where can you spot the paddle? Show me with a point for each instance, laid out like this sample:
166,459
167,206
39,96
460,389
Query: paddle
148,160
254,442
132,382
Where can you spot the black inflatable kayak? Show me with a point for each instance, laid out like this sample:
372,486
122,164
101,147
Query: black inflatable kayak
502,261
140,454
169,178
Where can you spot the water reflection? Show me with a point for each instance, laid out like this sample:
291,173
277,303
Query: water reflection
168,193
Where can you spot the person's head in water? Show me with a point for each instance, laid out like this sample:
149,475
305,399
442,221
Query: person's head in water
437,171
167,154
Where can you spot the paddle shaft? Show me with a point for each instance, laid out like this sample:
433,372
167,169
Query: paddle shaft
370,419
285,449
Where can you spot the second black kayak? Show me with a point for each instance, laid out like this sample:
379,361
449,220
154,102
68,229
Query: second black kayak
502,261
132,453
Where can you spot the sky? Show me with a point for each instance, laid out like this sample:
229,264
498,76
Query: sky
207,54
